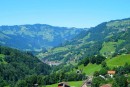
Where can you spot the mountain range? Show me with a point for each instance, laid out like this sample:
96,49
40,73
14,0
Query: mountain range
108,39
36,37
62,44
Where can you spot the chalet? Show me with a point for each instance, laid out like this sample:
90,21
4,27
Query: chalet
106,85
111,73
63,84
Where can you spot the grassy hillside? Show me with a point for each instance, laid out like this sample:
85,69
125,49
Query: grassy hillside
90,68
108,48
120,60
72,84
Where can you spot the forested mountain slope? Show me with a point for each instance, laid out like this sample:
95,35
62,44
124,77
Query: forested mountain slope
36,37
108,38
16,65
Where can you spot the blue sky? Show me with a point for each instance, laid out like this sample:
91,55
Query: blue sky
68,13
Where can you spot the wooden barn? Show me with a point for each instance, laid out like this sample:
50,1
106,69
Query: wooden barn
63,84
